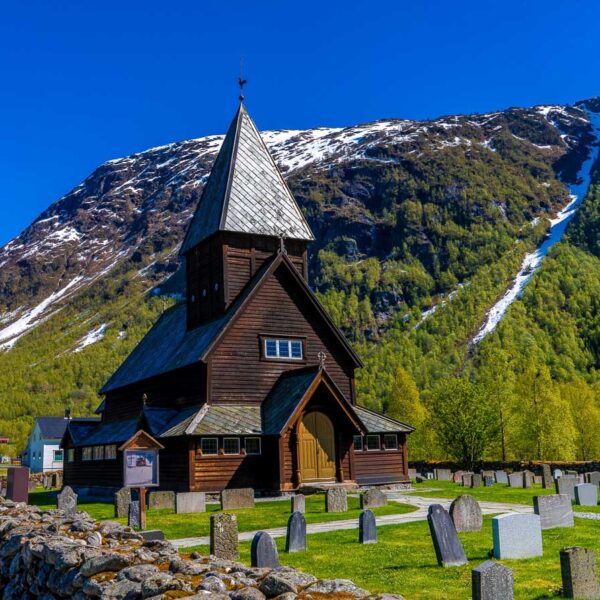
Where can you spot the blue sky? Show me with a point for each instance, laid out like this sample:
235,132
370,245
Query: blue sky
83,82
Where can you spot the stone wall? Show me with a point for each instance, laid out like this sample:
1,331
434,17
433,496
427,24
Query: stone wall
48,555
535,466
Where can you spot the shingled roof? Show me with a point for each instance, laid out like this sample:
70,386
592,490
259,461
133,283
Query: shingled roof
245,191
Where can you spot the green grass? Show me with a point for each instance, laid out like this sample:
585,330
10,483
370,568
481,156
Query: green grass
403,561
47,500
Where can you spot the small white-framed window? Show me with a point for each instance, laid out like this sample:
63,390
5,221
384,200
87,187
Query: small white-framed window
358,442
110,452
285,349
71,455
209,446
252,445
390,441
98,452
373,442
86,453
231,445
57,455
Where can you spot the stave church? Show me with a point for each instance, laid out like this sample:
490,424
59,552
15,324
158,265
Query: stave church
248,382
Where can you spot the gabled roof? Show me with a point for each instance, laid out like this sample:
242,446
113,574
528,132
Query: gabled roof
228,419
245,191
53,428
377,423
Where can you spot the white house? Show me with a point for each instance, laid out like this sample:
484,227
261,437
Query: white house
43,452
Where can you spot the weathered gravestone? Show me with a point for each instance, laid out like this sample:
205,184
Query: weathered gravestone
237,498
457,476
566,485
367,528
501,477
336,500
467,479
295,540
298,503
133,514
517,536
547,479
527,479
17,485
46,481
579,571
515,479
586,494
594,478
492,581
557,473
67,501
554,511
263,551
161,500
412,473
476,480
538,479
442,474
190,502
152,535
224,536
32,486
487,473
373,499
466,514
122,502
488,481
448,549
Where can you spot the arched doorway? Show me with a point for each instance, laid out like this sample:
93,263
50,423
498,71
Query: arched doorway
316,448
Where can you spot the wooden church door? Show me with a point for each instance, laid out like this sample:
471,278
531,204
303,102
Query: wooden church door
317,447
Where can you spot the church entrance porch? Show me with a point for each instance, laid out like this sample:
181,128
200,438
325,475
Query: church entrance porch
317,451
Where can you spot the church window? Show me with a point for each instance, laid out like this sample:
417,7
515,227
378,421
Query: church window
373,442
390,441
284,349
110,452
252,445
231,445
358,442
209,446
71,455
86,453
98,452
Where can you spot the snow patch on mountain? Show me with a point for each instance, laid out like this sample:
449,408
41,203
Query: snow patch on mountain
91,337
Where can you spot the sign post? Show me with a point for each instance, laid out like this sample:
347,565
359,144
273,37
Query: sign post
140,467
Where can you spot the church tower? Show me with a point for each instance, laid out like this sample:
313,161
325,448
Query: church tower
245,215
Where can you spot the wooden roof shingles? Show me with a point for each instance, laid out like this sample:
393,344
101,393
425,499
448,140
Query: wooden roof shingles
378,423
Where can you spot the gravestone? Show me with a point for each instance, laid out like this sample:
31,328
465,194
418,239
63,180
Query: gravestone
296,533
579,571
501,477
571,472
161,500
467,479
237,498
515,479
487,473
547,479
263,551
17,484
367,528
443,474
336,500
224,536
32,486
517,536
580,479
594,478
190,502
527,479
476,480
67,501
457,476
466,514
492,581
538,479
488,481
554,511
412,473
152,535
298,503
122,502
448,549
557,473
373,499
566,485
586,494
133,514
428,475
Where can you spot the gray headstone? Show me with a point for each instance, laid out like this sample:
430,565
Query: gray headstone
554,511
429,475
336,500
67,501
476,480
516,479
501,477
152,535
538,479
367,528
457,476
557,473
296,533
190,502
122,502
263,551
412,473
566,485
448,549
467,479
442,474
487,473
546,470
492,581
373,499
517,536
224,536
594,477
298,503
466,514
527,479
46,480
161,500
579,571
237,498
547,479
586,494
133,516
488,481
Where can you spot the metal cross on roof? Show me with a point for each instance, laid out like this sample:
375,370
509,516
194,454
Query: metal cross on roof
322,357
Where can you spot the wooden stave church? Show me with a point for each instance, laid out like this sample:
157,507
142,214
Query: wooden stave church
248,383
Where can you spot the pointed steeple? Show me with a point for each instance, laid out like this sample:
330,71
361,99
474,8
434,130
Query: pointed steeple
245,192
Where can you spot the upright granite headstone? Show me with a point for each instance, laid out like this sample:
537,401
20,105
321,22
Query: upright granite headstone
557,473
442,474
367,528
373,499
594,477
517,536
46,479
161,500
501,477
122,502
566,485
487,473
17,485
554,511
527,479
476,480
336,500
586,494
67,501
516,479
190,502
547,479
295,540
457,476
133,515
492,581
466,514
412,473
467,478
263,551
224,536
538,480
237,498
579,571
488,480
298,503
448,549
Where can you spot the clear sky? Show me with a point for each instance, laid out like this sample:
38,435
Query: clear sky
85,81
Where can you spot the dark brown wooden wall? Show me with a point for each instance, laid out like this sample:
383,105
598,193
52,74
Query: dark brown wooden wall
174,465
382,466
99,473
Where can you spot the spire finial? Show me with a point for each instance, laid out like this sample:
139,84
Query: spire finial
241,81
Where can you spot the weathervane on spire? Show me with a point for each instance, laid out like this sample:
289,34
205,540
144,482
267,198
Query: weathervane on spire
241,81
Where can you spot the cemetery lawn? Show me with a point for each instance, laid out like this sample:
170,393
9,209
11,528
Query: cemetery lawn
47,500
403,561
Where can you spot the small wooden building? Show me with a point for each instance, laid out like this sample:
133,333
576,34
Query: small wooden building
248,382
